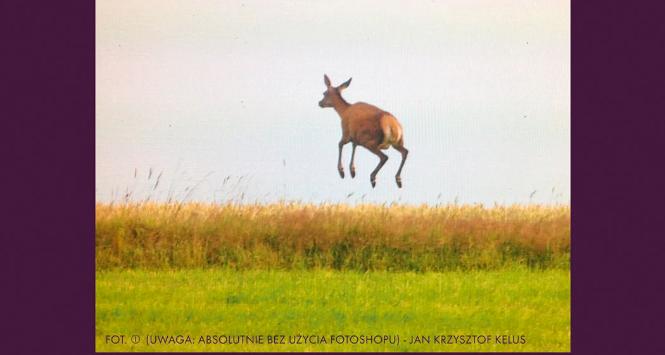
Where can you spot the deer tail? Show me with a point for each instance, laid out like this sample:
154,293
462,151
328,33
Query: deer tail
392,133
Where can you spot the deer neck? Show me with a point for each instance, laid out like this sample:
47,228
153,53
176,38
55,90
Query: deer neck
340,105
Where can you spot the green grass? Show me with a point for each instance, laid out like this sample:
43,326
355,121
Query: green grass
196,302
291,269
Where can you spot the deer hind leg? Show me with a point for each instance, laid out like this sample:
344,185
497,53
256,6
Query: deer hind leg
352,165
400,148
383,157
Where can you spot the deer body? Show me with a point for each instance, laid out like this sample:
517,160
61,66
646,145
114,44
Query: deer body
365,125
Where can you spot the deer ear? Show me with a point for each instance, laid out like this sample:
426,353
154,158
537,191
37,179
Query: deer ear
345,84
326,80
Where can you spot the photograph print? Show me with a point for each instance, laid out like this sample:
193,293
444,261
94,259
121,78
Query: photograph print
332,176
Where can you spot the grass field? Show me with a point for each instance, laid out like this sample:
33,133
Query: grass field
340,237
228,271
515,302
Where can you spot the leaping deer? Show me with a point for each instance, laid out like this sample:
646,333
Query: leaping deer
366,125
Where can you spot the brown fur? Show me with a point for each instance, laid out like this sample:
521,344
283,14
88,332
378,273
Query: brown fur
365,125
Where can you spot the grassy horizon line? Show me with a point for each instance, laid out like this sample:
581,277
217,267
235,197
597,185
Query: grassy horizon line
339,236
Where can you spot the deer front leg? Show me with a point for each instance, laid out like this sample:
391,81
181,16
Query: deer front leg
340,168
384,159
352,165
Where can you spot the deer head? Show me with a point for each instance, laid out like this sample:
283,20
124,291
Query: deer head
332,95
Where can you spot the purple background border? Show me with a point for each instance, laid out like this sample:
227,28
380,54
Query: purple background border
47,115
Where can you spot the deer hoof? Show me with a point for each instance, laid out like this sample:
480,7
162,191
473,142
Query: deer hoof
353,173
399,182
341,173
373,181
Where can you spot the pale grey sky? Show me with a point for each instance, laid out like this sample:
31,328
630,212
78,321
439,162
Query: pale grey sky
202,90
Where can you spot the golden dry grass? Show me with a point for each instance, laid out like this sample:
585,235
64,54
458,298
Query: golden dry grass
337,236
